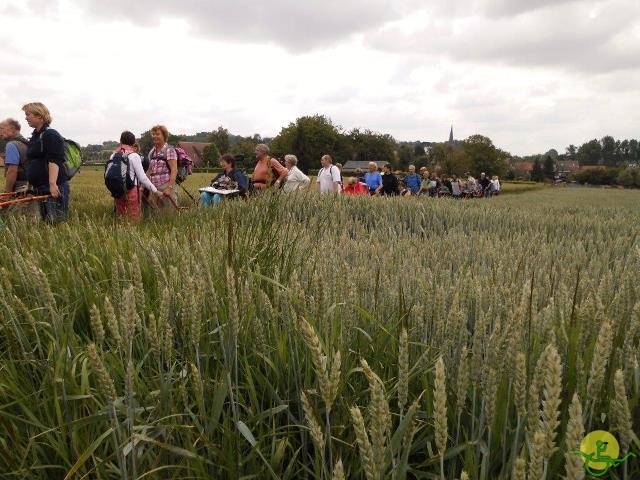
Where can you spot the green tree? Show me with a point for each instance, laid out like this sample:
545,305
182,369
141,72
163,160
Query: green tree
372,147
211,154
629,177
590,153
220,138
484,156
405,157
537,174
145,143
572,152
624,152
607,176
608,150
245,146
309,138
459,163
438,154
633,150
549,168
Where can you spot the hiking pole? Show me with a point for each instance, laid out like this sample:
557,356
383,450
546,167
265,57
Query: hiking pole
187,192
173,202
9,203
175,205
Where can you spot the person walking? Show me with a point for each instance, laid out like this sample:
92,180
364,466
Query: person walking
329,176
413,180
296,180
268,171
390,185
339,165
15,156
456,187
425,181
495,185
129,205
46,172
163,169
373,179
446,184
485,184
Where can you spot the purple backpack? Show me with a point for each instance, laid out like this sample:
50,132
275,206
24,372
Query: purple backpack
185,165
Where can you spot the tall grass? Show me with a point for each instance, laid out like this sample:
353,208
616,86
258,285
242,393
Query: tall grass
317,337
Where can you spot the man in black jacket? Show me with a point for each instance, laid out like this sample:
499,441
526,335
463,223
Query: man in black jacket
485,183
390,185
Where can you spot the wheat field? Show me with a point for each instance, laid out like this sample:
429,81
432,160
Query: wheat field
321,338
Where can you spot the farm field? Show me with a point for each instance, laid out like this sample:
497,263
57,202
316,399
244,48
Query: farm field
322,338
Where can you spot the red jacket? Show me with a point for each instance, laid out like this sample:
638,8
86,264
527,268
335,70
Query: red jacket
357,189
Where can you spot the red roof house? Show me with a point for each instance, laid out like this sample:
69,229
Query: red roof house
195,150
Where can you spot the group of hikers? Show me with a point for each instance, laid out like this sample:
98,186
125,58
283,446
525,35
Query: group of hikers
40,167
427,183
269,172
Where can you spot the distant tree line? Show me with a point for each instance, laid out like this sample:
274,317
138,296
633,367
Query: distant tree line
608,161
607,152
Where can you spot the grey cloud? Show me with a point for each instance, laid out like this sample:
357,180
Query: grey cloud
563,36
293,24
490,8
502,8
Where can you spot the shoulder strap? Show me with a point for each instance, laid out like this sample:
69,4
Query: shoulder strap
162,156
126,160
20,145
19,140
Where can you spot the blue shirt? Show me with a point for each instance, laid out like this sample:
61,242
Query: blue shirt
12,156
373,180
413,182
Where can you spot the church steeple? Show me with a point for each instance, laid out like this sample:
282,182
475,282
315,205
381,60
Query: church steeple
451,135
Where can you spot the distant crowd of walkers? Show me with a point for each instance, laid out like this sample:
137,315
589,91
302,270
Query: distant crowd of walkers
424,183
270,173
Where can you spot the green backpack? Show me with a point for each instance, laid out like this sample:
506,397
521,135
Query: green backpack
72,156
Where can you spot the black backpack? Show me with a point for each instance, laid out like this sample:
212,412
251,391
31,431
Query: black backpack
116,175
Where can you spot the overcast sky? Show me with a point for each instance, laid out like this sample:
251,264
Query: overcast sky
530,74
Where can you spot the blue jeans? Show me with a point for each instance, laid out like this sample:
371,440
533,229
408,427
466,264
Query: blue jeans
55,210
207,199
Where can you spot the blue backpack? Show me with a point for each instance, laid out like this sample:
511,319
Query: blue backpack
117,176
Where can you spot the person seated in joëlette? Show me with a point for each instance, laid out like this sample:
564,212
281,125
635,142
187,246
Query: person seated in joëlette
404,190
229,179
355,188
